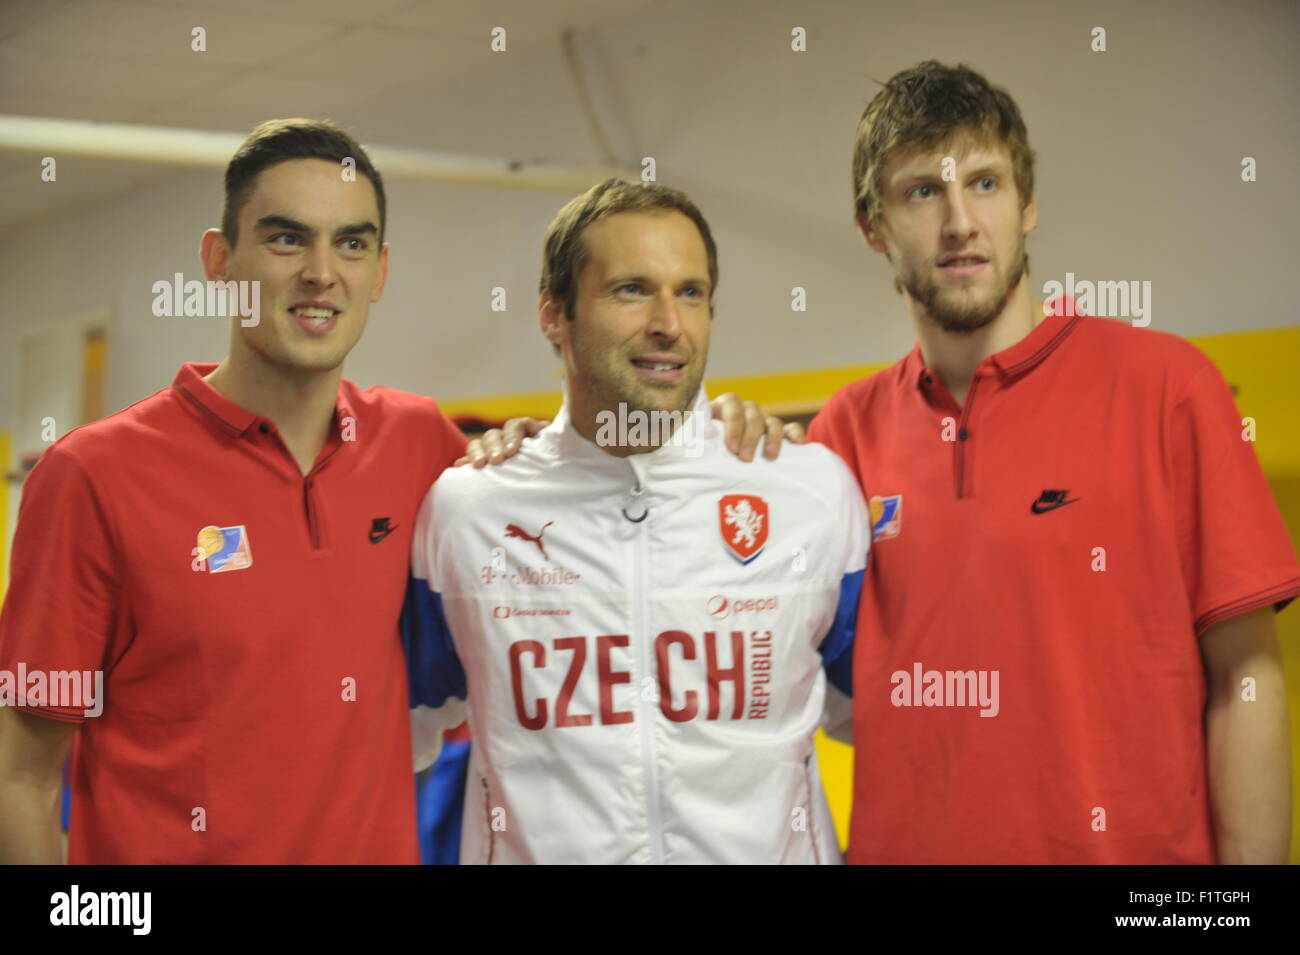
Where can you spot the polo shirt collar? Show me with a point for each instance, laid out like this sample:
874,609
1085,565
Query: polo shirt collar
1021,357
1030,351
223,412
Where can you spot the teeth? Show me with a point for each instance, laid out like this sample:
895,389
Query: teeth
657,365
317,313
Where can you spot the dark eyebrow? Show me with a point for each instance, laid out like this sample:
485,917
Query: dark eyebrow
358,228
284,222
293,225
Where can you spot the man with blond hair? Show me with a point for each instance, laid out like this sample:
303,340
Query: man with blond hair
1076,558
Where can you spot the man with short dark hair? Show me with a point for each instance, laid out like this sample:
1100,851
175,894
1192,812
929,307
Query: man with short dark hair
645,629
230,552
1066,650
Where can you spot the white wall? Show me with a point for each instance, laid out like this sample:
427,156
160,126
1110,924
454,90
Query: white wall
1138,178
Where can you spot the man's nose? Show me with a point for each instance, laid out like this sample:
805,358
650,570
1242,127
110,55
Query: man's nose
318,267
960,223
665,318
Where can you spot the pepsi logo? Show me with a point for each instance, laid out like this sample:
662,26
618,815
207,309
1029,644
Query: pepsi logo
720,607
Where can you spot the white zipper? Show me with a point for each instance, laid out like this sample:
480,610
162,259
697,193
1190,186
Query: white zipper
647,708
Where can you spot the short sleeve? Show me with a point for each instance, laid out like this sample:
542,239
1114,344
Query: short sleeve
831,429
449,441
820,430
65,591
1234,549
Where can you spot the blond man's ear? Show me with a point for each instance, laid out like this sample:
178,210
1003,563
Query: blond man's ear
870,233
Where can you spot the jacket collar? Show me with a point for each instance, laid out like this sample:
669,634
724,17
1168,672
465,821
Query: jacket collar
694,433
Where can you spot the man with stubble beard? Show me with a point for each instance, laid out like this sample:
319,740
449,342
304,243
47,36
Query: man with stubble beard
646,629
1076,557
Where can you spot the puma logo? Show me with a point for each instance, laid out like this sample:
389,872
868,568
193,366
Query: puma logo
514,530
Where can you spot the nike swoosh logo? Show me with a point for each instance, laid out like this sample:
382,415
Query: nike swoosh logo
376,538
1050,507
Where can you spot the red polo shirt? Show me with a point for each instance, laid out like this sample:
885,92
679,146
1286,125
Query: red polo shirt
245,618
1029,685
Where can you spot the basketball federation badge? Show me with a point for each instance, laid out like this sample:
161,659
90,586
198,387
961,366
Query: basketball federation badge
886,517
742,518
225,548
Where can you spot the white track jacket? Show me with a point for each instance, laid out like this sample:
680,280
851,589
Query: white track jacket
644,644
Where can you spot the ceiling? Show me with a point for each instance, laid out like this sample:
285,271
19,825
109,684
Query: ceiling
130,61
